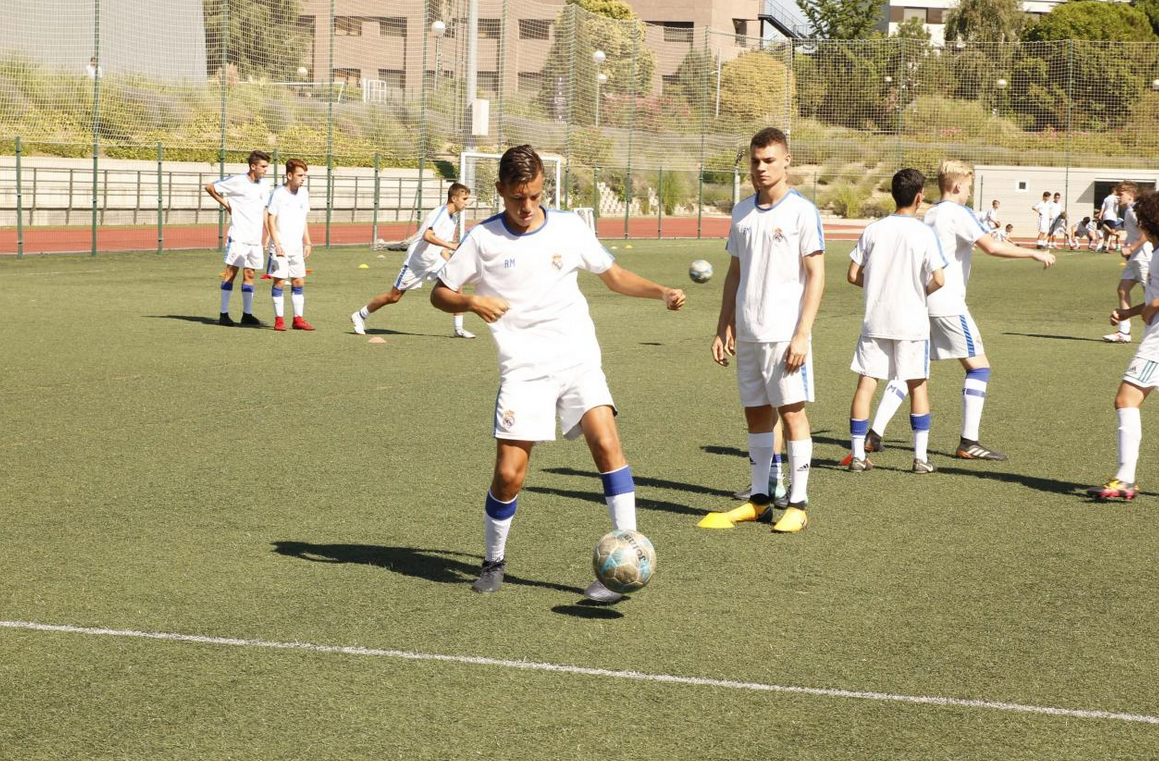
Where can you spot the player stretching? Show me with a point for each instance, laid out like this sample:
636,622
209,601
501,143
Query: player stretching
771,296
289,244
244,196
1137,255
424,258
525,264
1141,377
899,262
953,333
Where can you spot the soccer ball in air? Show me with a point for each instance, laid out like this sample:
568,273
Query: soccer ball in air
624,560
700,271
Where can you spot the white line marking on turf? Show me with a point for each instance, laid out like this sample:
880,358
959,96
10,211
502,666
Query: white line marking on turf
584,671
53,272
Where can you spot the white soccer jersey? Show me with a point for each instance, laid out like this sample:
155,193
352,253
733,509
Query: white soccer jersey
771,244
898,255
1130,223
957,229
991,218
289,211
547,328
247,203
1054,211
1043,209
1111,208
1151,287
425,257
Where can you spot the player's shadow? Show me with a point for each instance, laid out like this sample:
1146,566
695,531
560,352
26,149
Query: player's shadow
1033,482
658,483
388,332
588,609
185,318
596,497
1055,337
439,566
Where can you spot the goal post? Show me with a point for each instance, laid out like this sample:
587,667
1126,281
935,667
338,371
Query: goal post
479,172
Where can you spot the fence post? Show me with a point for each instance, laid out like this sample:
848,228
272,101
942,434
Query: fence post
19,205
571,95
160,200
374,213
703,134
631,128
660,202
422,112
275,167
596,196
1069,121
330,129
502,74
221,147
96,115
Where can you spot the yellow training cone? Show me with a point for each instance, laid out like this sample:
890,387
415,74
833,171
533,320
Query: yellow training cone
364,266
715,520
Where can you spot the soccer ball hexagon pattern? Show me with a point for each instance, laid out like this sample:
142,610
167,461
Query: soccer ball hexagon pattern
700,271
624,561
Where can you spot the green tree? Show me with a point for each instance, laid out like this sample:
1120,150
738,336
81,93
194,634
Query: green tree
1092,20
1151,8
264,38
985,21
756,87
842,19
913,29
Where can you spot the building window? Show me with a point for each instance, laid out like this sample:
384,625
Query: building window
392,27
534,29
489,29
348,26
394,78
741,27
910,13
488,81
530,81
935,15
677,31
351,77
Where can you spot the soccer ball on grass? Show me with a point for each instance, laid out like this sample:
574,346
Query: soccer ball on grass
700,271
624,560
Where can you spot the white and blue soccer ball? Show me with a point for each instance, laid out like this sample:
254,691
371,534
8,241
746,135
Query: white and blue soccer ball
700,271
624,561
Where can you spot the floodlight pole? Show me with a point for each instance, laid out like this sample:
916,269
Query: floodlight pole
96,114
472,75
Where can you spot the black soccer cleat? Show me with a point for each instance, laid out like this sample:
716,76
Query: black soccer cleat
249,319
225,319
972,450
873,442
491,577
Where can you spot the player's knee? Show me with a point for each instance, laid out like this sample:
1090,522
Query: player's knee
508,480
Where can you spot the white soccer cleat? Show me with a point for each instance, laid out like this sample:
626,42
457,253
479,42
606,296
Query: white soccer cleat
359,323
1117,338
461,333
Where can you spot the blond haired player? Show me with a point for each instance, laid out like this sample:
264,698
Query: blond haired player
953,332
771,296
289,244
244,196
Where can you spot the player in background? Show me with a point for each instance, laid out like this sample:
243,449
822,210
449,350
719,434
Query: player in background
1137,255
898,262
524,264
1141,377
771,296
1058,222
990,219
1004,235
289,244
1109,219
953,332
245,197
425,256
1087,227
1042,209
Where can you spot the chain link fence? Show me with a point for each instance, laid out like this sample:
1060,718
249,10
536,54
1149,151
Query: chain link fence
111,121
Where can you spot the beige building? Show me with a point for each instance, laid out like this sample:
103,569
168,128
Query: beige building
383,40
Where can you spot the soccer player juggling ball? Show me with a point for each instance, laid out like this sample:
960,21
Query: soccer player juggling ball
1141,377
898,261
771,295
524,264
244,196
289,244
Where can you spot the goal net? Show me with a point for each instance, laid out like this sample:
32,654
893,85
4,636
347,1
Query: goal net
479,172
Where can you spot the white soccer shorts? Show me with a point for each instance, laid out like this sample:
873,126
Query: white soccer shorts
1137,269
889,358
292,265
763,379
412,277
1043,225
955,337
526,410
1143,370
245,255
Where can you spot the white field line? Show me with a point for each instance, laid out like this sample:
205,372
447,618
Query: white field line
53,272
594,672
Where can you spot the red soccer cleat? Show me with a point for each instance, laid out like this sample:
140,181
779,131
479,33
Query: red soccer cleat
279,323
301,324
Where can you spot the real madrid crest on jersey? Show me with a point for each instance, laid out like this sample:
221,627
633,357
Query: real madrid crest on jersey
778,236
557,261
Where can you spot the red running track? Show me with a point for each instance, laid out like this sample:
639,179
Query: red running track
40,240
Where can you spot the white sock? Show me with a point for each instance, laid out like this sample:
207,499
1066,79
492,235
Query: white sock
298,298
497,519
857,431
1125,327
225,294
620,494
777,477
247,299
800,457
1130,434
458,322
891,399
973,400
279,302
761,460
364,313
921,428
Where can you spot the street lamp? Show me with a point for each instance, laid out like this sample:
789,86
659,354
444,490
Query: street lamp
598,58
1155,84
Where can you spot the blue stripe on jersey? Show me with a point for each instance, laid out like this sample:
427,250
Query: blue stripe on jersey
926,361
503,217
969,338
938,240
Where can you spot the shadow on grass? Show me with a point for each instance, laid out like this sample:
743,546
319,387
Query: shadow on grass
185,318
596,497
1055,337
588,609
439,566
1033,482
387,332
658,483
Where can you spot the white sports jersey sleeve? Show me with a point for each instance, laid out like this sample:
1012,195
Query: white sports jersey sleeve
290,211
1110,211
247,203
1041,207
899,255
957,229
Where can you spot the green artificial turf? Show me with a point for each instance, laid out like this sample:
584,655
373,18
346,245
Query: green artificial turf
165,474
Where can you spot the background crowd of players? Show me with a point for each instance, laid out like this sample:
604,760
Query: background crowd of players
523,265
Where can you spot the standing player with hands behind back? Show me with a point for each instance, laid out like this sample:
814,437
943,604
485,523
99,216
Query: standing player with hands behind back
244,196
771,296
289,244
524,264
